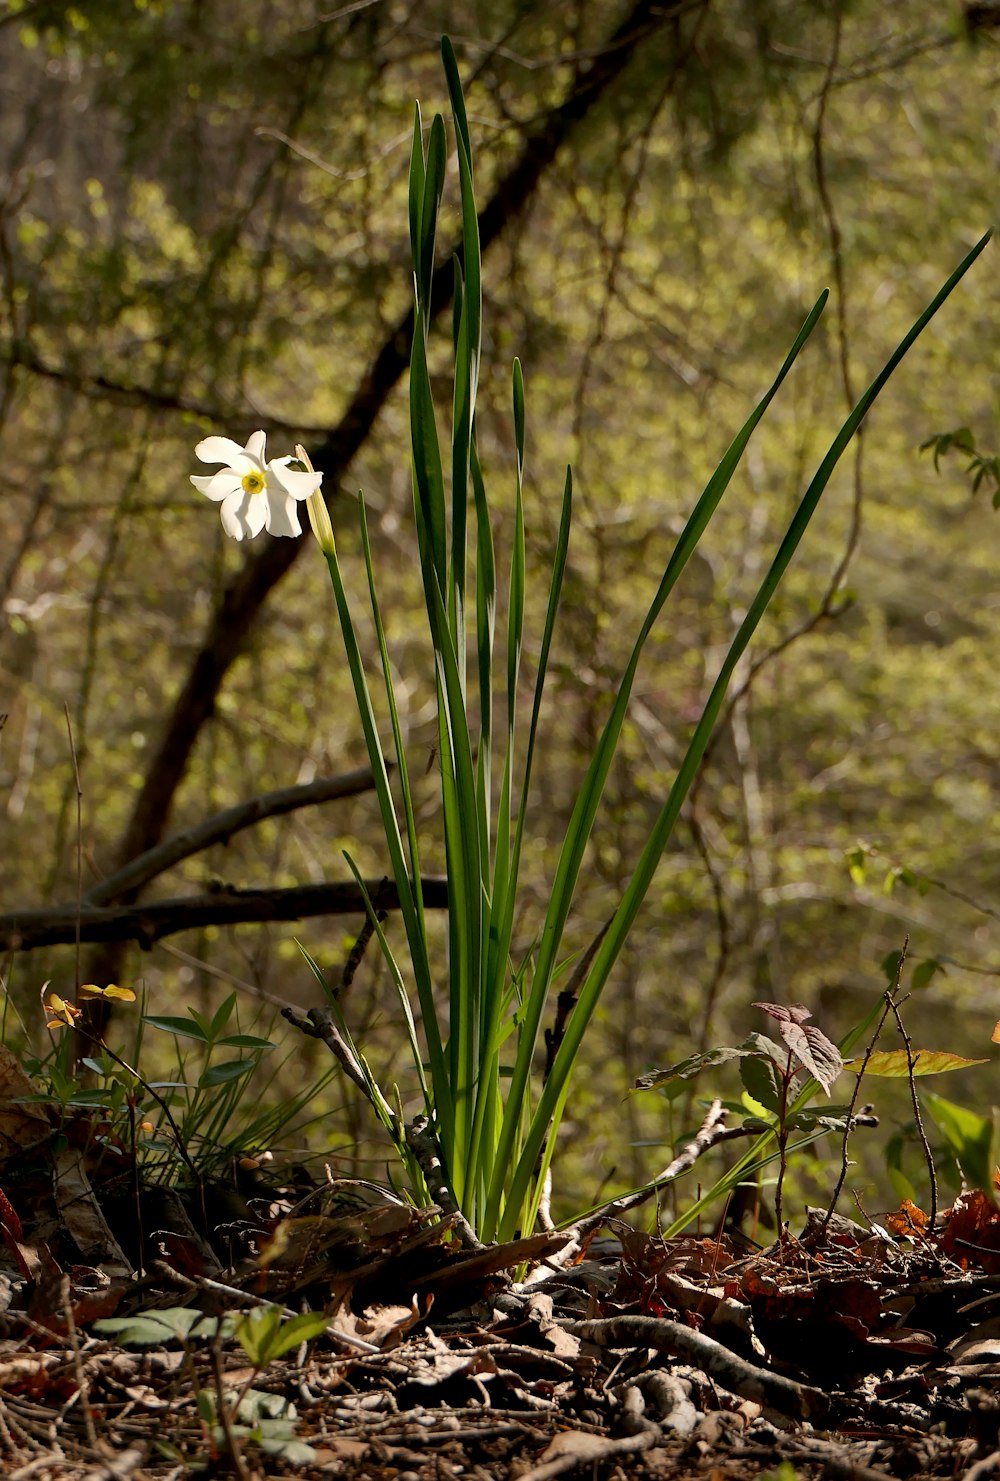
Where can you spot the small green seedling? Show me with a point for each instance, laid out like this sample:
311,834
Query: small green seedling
183,1324
769,1072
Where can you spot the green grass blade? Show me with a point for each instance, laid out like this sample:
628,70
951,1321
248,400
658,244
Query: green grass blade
467,876
585,809
467,352
416,183
428,477
456,97
486,606
553,1095
461,455
397,981
424,984
412,913
433,186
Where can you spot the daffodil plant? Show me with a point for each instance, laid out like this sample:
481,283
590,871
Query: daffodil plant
492,1115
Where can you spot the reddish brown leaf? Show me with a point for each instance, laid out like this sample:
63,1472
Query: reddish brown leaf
8,1217
907,1220
785,1013
972,1235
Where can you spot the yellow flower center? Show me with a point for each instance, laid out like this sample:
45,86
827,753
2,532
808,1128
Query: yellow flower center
253,483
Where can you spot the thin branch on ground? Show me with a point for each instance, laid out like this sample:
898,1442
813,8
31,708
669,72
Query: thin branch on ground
798,1400
423,1144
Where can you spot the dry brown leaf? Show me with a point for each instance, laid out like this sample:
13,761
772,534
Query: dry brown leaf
21,1126
562,1343
382,1326
82,1216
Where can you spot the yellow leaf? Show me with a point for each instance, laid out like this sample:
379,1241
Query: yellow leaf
120,994
65,1012
893,1064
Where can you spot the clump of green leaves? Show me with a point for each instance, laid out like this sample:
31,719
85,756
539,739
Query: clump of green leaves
492,1119
192,1124
982,468
264,1420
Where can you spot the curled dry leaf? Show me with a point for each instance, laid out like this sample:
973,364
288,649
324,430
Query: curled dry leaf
21,1125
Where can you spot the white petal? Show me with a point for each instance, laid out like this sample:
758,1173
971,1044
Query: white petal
255,447
221,450
282,518
291,481
217,485
243,515
257,514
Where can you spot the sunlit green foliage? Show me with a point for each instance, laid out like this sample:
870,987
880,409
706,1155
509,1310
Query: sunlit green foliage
173,264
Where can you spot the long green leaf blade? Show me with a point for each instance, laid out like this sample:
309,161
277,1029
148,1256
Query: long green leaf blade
585,809
555,1090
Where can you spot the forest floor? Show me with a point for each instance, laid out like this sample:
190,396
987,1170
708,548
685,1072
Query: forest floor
843,1351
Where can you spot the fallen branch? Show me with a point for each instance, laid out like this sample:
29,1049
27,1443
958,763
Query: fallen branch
715,1360
712,1131
577,1450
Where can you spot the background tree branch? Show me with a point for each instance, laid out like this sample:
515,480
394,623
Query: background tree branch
221,827
25,930
266,567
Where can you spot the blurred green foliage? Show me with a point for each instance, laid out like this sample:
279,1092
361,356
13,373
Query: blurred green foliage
204,229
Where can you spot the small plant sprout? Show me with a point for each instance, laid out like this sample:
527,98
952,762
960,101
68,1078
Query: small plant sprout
254,494
64,1014
769,1078
769,1072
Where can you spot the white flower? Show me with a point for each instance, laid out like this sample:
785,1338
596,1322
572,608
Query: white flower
254,494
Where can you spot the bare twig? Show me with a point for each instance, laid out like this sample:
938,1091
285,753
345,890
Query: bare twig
72,1337
889,995
357,951
713,1358
223,1413
423,1144
591,1451
319,1023
712,1131
918,1120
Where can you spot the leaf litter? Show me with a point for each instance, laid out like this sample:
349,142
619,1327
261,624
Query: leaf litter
331,1329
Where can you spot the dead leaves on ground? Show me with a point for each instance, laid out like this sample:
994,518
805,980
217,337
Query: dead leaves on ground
861,1322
